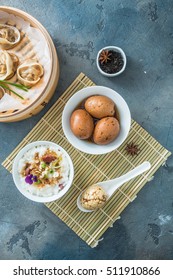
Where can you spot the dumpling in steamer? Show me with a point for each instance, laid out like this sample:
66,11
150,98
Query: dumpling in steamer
15,60
8,65
2,92
9,36
30,72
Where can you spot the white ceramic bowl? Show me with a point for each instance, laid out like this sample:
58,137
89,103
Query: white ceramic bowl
116,49
16,176
84,145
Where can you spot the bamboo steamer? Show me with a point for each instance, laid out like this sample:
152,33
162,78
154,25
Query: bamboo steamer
40,103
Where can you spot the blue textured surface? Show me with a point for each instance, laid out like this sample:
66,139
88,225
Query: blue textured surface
79,29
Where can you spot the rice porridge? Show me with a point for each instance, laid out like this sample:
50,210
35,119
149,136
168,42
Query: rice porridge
43,170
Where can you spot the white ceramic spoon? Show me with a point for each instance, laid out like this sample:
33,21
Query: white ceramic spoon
111,185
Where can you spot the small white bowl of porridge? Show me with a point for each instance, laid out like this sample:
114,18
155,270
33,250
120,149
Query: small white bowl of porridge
43,171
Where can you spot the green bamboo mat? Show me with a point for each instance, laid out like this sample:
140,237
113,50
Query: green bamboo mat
93,168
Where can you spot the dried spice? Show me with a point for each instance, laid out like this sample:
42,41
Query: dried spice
111,61
132,149
104,56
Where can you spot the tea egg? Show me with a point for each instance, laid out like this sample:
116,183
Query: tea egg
82,124
93,197
100,106
106,130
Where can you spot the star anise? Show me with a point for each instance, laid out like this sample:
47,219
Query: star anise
104,56
132,149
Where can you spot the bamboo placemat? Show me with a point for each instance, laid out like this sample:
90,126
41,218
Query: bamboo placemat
93,168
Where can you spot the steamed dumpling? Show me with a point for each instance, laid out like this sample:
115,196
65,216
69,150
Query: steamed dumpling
9,36
2,92
30,72
15,60
8,65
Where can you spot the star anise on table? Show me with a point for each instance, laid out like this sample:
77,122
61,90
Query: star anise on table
104,56
132,149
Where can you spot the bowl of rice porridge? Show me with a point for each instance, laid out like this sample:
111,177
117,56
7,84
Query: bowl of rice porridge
43,171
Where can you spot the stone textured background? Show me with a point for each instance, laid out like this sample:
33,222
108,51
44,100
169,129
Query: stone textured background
79,29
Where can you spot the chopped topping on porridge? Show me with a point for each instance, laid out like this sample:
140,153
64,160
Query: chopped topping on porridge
44,170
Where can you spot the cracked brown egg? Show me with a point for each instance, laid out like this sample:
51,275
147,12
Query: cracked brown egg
82,124
100,106
106,130
93,197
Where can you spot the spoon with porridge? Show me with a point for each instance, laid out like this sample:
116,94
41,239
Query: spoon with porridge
95,196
